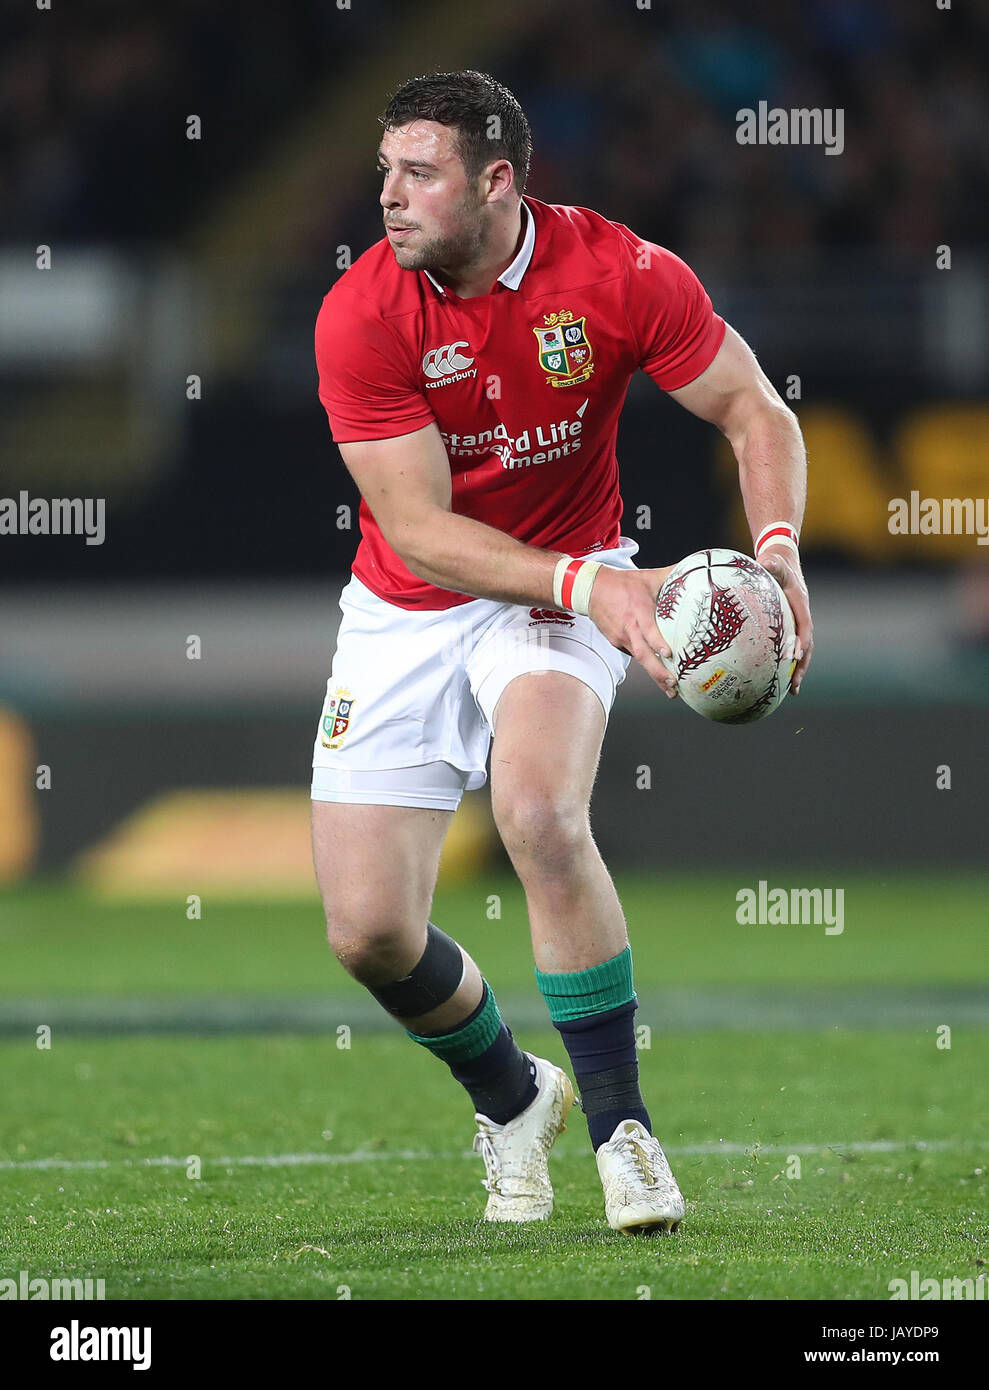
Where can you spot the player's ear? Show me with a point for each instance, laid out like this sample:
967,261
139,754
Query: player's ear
499,177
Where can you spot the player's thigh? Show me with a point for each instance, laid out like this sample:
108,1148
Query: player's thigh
548,731
376,866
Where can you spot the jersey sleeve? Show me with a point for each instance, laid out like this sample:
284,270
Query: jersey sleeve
675,329
366,379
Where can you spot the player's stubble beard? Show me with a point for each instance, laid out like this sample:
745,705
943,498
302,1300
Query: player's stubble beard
453,254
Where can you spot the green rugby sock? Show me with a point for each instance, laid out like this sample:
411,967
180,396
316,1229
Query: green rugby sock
578,993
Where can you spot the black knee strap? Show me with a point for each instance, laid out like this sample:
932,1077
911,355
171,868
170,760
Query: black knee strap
434,980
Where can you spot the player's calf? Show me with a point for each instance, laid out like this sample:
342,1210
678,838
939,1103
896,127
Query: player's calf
594,1011
520,1102
472,1039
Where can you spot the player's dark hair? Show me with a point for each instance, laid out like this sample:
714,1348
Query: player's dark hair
490,123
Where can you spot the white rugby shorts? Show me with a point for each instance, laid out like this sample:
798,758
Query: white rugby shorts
408,714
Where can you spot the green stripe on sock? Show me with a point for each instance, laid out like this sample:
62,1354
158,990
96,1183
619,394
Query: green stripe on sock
579,993
465,1044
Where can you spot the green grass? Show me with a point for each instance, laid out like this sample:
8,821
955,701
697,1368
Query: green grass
394,1227
918,929
404,1221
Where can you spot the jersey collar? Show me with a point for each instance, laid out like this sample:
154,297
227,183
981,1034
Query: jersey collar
511,277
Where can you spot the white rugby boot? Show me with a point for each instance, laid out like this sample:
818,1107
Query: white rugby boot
516,1154
640,1192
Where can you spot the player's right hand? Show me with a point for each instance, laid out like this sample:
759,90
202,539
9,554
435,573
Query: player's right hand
623,605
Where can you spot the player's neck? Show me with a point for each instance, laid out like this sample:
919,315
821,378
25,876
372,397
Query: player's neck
480,278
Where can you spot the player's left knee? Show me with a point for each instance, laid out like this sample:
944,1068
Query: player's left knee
543,829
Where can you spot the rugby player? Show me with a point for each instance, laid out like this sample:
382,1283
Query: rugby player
473,364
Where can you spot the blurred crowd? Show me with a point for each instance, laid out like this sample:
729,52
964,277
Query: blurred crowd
639,119
94,100
633,112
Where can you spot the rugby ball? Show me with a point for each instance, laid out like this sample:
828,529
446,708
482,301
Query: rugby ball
732,635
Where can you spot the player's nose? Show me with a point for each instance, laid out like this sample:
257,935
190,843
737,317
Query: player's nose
390,197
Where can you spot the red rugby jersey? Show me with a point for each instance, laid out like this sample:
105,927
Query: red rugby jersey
525,383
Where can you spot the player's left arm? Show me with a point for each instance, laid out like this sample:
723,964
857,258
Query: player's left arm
735,394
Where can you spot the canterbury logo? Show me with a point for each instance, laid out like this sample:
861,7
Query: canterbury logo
549,615
444,361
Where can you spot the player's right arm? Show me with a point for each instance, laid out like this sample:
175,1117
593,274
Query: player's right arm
406,483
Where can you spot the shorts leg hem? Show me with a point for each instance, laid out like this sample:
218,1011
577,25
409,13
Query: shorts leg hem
488,707
384,798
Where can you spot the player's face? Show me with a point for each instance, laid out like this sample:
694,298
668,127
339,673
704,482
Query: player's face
435,219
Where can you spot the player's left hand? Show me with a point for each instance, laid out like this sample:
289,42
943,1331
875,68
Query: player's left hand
623,606
784,566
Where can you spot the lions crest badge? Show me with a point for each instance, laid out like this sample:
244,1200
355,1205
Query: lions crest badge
336,718
565,352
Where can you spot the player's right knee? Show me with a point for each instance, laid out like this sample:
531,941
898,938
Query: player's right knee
374,951
431,983
409,975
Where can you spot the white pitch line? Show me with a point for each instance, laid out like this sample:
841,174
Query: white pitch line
730,1149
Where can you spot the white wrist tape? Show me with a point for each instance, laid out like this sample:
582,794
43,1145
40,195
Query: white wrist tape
558,579
778,533
572,583
580,598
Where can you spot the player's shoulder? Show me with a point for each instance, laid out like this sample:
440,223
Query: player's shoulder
372,289
568,229
583,233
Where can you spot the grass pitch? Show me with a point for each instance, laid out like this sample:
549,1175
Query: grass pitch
822,1155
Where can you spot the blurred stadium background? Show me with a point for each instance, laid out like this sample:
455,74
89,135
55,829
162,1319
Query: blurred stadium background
164,364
